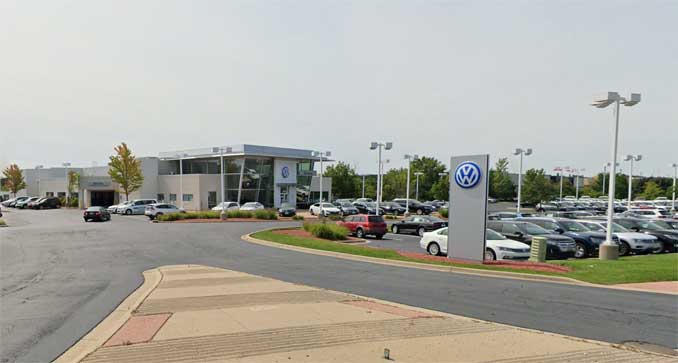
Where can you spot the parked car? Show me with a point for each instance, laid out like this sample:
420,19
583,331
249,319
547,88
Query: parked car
364,200
346,208
328,209
491,200
557,245
226,206
547,207
13,203
368,207
31,204
362,225
287,210
650,213
96,214
47,203
629,242
392,208
501,216
152,211
587,241
344,200
22,204
252,206
666,223
577,214
114,208
137,206
7,202
418,225
668,237
497,247
415,206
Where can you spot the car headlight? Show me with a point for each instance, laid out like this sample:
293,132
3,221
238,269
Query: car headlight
504,249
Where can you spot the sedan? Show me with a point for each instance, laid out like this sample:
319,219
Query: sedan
287,210
114,208
252,206
392,208
418,225
327,209
346,208
96,214
497,247
368,207
226,206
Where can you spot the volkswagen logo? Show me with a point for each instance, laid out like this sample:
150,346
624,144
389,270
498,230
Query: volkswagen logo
467,174
285,172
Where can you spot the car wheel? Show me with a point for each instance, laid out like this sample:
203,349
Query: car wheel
624,249
128,212
310,211
379,236
433,249
580,250
420,231
490,255
85,220
394,229
420,212
359,233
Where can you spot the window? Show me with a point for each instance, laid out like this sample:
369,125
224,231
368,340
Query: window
510,228
187,197
161,197
443,232
49,194
61,194
173,197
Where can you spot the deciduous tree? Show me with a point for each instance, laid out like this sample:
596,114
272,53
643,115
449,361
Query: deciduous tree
536,187
345,182
14,179
125,170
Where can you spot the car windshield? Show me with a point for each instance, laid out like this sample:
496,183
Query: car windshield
371,204
650,226
492,235
93,209
375,219
251,204
328,205
346,204
571,226
533,229
432,219
616,227
662,224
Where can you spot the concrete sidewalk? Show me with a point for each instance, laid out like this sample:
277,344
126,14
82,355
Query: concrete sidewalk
203,314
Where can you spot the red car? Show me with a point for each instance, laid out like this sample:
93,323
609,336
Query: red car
361,225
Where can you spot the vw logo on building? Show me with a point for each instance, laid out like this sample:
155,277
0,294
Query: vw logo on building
285,172
467,174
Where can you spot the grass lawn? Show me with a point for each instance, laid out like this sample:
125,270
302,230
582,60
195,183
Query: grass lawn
625,270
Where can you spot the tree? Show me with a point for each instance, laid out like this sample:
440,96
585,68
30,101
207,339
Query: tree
652,191
537,187
502,187
395,183
441,189
73,184
345,182
14,179
125,170
430,167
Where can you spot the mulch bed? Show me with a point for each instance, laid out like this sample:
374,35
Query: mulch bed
305,234
217,220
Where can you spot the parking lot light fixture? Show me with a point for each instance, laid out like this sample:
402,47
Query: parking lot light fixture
631,158
223,215
576,182
673,195
320,155
378,146
409,159
608,249
37,169
418,174
68,191
521,152
181,178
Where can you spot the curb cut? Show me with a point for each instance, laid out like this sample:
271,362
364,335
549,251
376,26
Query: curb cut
112,322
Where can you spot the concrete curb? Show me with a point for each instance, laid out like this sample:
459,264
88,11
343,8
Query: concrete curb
422,266
112,322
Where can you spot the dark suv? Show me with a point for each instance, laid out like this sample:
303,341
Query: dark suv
668,237
47,203
557,245
587,241
415,206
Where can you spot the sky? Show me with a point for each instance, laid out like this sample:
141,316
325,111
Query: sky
436,78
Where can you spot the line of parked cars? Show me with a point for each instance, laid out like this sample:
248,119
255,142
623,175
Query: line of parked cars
398,206
33,203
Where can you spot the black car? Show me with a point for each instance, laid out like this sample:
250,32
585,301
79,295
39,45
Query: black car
346,208
666,223
418,225
47,203
415,206
557,245
587,241
392,208
368,208
500,216
576,214
287,210
668,237
96,214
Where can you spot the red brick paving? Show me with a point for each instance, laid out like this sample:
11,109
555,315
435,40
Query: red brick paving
661,286
371,305
138,329
524,265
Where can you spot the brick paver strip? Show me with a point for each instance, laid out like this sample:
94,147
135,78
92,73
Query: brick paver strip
191,271
211,281
600,355
234,300
138,329
371,305
262,342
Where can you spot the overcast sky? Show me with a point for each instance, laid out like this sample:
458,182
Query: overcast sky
437,78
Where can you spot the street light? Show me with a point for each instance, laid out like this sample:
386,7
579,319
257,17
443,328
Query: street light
673,198
378,146
521,152
320,155
631,158
363,186
418,174
608,249
409,159
221,150
576,182
605,171
68,184
38,168
181,178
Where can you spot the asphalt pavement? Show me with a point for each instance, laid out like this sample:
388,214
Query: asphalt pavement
60,276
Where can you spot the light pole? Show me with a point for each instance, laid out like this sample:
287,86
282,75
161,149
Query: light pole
631,158
221,150
68,184
363,186
521,152
181,179
409,159
381,184
38,168
673,198
604,173
608,249
320,155
576,182
418,174
378,146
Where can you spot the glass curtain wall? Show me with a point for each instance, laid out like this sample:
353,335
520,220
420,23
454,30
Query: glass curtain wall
257,181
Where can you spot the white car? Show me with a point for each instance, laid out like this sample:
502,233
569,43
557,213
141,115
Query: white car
497,247
251,206
114,208
650,213
152,211
629,241
328,209
226,206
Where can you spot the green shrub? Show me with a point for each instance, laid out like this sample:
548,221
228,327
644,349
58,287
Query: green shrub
268,214
329,231
298,218
335,217
443,212
391,216
2,223
239,214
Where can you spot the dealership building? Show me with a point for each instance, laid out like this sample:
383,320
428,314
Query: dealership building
190,178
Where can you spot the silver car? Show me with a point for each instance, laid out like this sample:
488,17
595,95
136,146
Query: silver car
138,206
114,208
152,211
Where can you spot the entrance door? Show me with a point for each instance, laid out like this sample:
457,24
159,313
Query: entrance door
284,194
102,198
211,200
